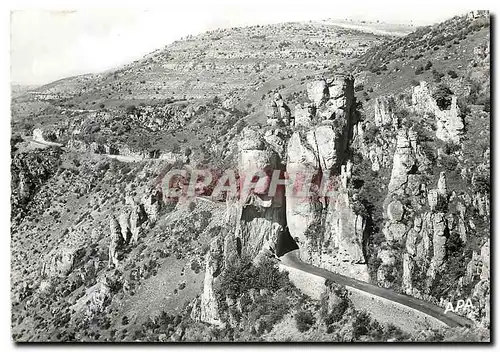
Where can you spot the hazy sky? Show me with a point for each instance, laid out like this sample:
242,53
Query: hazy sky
48,45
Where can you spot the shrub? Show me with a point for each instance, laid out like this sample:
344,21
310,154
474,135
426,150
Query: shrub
463,107
337,312
428,65
371,133
131,109
450,148
359,88
419,70
449,162
361,324
442,95
482,184
437,75
486,106
452,74
243,276
414,83
304,320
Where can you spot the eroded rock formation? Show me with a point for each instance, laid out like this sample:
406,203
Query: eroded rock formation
449,123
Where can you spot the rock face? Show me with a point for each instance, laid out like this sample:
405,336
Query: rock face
423,233
277,112
449,123
304,114
318,92
61,261
260,216
439,234
116,244
152,203
137,218
395,211
404,162
478,272
209,311
384,112
327,230
94,301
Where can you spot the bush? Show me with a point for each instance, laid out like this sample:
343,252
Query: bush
442,96
243,276
437,75
486,106
451,148
359,88
419,70
428,65
371,133
463,107
337,312
304,320
131,109
482,184
361,324
452,74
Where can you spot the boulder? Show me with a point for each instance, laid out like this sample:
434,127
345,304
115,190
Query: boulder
395,211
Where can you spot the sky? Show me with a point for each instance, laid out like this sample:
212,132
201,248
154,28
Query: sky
49,44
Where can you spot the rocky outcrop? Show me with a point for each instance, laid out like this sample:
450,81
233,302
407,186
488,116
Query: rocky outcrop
152,203
327,230
261,216
61,261
137,218
116,244
439,235
404,163
127,227
94,300
29,171
277,112
384,112
325,227
124,222
449,123
318,92
209,310
478,273
304,114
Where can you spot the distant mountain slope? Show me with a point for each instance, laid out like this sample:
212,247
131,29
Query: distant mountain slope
379,28
221,61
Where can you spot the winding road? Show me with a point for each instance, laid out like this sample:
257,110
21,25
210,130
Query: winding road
451,319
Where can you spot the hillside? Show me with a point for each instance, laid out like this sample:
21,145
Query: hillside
399,124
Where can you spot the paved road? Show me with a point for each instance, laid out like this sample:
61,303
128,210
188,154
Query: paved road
451,319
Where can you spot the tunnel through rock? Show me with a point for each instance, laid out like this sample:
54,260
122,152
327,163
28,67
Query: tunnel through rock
285,243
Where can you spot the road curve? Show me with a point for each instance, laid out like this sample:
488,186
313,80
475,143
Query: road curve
451,319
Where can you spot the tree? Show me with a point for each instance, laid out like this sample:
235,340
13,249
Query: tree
442,96
304,320
131,109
